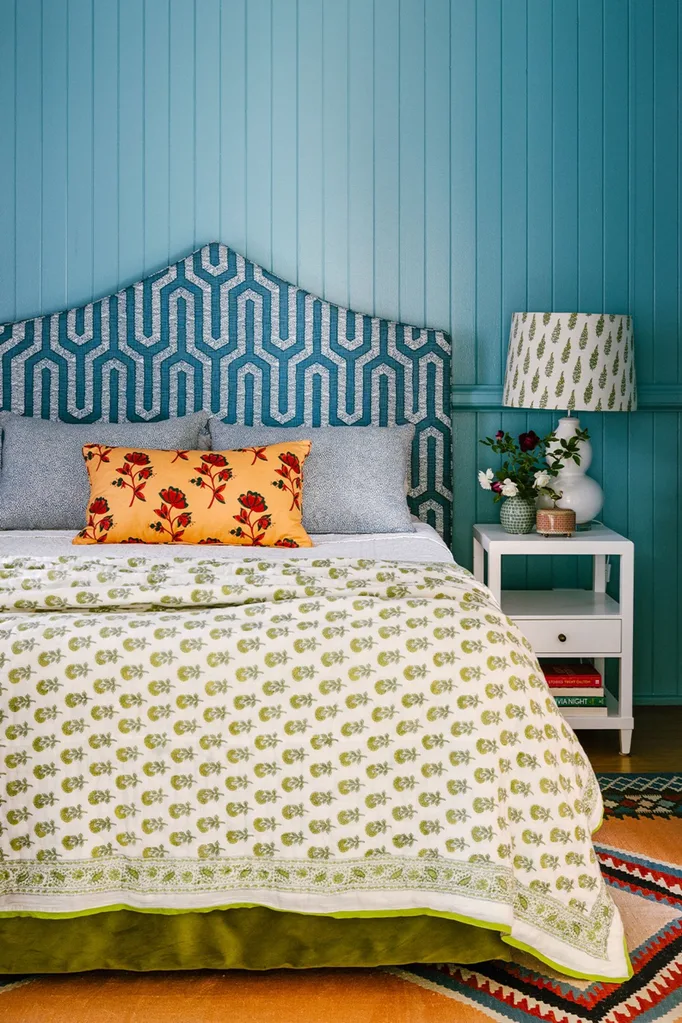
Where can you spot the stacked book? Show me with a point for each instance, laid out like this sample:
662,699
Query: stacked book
576,686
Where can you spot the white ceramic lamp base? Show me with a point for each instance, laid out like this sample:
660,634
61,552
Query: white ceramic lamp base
578,491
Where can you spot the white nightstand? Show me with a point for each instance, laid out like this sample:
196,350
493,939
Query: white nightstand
571,623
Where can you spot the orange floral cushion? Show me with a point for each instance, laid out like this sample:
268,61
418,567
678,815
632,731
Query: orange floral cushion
250,497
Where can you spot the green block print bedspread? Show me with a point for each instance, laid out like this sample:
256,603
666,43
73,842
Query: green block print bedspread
343,737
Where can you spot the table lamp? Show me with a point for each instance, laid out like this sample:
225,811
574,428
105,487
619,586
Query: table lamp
572,361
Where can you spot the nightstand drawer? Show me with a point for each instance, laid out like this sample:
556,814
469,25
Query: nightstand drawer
572,635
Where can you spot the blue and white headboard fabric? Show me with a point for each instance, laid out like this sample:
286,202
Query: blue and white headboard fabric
215,331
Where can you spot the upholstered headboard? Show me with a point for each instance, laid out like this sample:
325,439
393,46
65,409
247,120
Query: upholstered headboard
215,331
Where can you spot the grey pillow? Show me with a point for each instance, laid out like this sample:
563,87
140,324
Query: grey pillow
354,479
43,480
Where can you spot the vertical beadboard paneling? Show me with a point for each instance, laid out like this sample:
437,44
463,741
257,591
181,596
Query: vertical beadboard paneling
335,151
28,164
258,135
311,196
443,161
360,194
284,183
8,165
488,187
131,129
207,119
386,157
79,179
54,197
437,234
156,134
105,166
182,126
412,164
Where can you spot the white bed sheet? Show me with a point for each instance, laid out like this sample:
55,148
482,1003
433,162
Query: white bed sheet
424,544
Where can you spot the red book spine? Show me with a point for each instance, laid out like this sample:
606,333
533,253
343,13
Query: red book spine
561,682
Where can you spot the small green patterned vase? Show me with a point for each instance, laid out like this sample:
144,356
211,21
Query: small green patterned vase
517,514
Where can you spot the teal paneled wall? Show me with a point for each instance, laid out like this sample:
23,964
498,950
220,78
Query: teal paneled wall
442,162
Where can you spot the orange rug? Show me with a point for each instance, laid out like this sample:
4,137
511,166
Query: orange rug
640,848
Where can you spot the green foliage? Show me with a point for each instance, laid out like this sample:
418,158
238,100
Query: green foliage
566,354
572,320
541,347
577,371
556,333
600,326
583,338
528,454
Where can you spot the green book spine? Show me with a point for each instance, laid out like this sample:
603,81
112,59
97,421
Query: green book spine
580,701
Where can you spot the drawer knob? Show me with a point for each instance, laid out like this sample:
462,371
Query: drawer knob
561,637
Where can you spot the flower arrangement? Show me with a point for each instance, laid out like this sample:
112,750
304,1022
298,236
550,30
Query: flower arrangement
530,464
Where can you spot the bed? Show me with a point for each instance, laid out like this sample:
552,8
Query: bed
338,755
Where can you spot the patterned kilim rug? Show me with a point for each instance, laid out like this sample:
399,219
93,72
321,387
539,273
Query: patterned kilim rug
640,849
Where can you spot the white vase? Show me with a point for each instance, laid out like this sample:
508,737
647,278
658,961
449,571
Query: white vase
578,491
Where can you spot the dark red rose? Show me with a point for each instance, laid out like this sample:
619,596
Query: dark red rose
99,506
252,501
528,441
496,486
214,458
499,435
291,461
173,497
137,458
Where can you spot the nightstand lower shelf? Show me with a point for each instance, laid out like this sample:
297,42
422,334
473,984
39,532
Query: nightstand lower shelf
612,720
571,623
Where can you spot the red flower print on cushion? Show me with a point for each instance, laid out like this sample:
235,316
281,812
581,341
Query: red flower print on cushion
174,497
290,472
214,475
173,500
135,479
99,451
258,454
99,521
210,540
252,524
99,506
286,541
181,455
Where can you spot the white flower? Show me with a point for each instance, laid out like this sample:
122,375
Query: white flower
509,488
542,479
486,478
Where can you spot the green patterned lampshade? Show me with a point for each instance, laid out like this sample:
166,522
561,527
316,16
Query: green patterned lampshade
571,361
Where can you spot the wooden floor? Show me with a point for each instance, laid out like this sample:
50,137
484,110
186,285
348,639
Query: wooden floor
656,743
